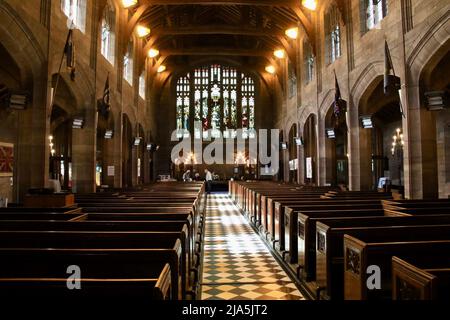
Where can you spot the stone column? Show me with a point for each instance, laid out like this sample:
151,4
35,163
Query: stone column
32,150
321,150
84,149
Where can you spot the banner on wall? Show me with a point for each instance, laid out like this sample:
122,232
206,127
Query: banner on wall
6,159
309,171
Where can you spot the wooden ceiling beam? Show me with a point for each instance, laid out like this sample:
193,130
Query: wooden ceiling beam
215,29
282,3
208,51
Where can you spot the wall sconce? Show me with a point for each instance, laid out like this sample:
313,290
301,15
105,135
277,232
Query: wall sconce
436,100
299,141
330,133
77,123
18,101
366,122
109,134
284,146
137,141
398,141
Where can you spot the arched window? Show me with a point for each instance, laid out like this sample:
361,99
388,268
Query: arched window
223,101
128,64
372,12
308,59
108,33
76,11
332,34
142,83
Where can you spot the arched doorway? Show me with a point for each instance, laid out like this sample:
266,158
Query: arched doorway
61,133
61,147
381,138
105,149
127,143
336,147
434,85
310,150
293,154
10,80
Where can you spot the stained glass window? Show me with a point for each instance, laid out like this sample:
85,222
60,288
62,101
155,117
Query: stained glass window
332,34
374,11
75,10
183,106
128,64
216,94
107,33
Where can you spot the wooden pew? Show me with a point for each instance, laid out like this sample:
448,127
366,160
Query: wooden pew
42,273
172,241
421,278
330,237
160,226
378,249
289,230
42,216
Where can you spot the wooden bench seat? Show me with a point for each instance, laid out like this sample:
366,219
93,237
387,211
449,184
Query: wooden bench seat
421,278
378,249
289,226
41,216
329,244
175,241
37,273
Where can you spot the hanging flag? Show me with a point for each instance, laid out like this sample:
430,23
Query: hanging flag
337,97
391,81
69,52
388,67
105,105
340,105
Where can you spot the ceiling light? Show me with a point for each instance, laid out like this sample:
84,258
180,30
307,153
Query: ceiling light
161,68
310,4
270,69
152,53
292,33
129,3
280,53
142,31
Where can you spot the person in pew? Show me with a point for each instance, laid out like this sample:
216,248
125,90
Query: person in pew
187,176
208,179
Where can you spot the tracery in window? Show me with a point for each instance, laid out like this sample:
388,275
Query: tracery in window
216,91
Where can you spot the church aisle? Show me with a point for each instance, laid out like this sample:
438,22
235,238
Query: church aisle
237,265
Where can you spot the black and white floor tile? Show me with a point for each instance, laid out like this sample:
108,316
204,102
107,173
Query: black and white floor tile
237,264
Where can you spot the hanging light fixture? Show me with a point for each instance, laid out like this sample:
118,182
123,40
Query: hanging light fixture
142,31
280,53
129,3
397,140
153,53
292,33
161,68
310,4
270,69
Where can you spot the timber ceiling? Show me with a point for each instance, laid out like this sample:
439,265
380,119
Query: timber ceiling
249,29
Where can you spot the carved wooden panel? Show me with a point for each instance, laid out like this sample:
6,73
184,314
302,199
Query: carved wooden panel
321,242
353,261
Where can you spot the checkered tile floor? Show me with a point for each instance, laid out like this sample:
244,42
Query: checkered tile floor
237,265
